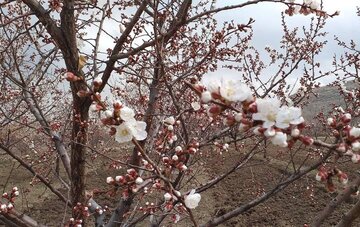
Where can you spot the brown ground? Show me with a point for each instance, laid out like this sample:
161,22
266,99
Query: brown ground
295,206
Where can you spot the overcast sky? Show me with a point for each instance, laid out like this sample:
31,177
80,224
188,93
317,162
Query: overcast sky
268,30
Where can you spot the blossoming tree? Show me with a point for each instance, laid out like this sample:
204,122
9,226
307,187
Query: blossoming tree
66,81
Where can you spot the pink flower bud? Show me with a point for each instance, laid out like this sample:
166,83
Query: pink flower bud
178,148
167,196
331,122
346,118
355,158
295,132
120,179
72,77
238,117
117,105
322,176
97,82
342,147
139,180
306,140
343,178
229,120
192,150
175,158
165,160
109,180
213,111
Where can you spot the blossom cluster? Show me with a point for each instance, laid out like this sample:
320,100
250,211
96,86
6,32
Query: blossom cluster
305,7
326,175
7,206
350,135
265,116
125,126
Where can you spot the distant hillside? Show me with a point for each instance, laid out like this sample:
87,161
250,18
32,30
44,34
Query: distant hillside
328,96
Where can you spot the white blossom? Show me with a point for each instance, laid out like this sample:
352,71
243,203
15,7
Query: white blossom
315,5
355,146
234,90
109,180
213,86
3,207
139,180
192,200
355,132
206,97
10,206
127,114
167,196
295,132
297,9
287,116
170,127
267,111
355,158
279,139
129,129
238,117
123,133
178,148
175,157
270,132
330,121
169,120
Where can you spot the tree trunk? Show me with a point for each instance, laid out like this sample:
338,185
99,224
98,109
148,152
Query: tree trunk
78,153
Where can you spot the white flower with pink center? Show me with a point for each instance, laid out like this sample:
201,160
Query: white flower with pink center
234,90
288,116
267,110
129,130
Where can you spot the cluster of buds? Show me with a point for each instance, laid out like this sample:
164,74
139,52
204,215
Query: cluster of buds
149,208
10,199
82,210
178,159
222,147
123,123
55,5
131,179
74,223
99,210
349,135
169,200
326,176
167,136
